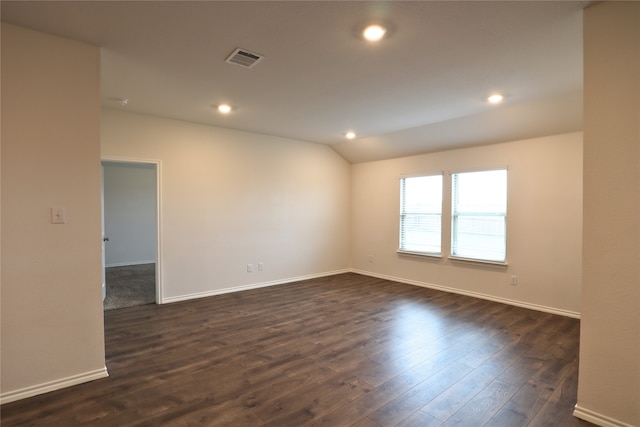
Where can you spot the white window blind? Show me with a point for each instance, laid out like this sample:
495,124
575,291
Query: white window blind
421,214
479,215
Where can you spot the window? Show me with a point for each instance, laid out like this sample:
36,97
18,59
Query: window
421,214
479,215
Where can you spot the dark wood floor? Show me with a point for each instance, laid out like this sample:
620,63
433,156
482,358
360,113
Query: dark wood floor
337,351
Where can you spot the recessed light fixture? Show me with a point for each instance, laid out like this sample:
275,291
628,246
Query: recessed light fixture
496,98
350,135
224,108
374,32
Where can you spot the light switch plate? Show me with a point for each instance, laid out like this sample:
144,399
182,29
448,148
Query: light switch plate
58,215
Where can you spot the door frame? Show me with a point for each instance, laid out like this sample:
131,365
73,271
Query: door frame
158,168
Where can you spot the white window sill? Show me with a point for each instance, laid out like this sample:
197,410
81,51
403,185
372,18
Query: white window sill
479,261
420,254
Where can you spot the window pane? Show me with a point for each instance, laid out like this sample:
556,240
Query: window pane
480,191
479,215
420,233
480,237
421,214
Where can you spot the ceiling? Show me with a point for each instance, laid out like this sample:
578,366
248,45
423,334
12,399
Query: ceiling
421,89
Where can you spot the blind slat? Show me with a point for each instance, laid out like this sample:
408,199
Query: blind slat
421,213
479,215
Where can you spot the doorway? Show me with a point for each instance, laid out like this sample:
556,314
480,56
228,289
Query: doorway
130,217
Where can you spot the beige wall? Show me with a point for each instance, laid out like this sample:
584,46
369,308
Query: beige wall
52,323
231,198
609,381
544,222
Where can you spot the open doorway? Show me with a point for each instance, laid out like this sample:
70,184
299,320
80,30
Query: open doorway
130,233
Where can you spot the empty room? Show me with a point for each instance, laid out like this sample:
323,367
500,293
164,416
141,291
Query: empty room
357,213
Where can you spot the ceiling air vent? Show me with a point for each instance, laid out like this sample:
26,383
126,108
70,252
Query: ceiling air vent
244,58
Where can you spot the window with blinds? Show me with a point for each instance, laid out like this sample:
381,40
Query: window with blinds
479,215
421,214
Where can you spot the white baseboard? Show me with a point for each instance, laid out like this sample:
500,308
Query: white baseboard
186,297
597,419
522,304
37,389
125,264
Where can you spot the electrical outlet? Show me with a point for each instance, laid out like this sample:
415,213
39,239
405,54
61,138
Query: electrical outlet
370,258
260,266
514,280
249,268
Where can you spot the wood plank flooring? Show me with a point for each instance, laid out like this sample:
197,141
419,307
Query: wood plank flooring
346,350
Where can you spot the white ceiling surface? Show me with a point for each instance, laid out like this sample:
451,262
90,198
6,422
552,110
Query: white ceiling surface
422,89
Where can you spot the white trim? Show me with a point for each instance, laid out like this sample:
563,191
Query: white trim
128,263
552,310
250,286
37,389
121,159
598,419
491,169
419,174
435,255
159,253
478,261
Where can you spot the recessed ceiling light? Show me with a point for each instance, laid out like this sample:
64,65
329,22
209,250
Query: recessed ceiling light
350,135
496,98
224,108
374,32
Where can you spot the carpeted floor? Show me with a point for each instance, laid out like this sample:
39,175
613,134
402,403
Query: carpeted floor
130,285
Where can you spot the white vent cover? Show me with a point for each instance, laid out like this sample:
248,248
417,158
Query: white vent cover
244,58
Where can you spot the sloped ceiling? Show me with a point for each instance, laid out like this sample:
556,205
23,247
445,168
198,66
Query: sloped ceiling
421,89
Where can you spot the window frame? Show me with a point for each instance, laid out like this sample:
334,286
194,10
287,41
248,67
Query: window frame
455,215
403,213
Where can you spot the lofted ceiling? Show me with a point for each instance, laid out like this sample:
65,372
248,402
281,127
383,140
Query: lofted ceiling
421,89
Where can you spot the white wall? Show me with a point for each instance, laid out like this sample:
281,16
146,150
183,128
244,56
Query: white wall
52,318
544,222
231,198
129,213
609,379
